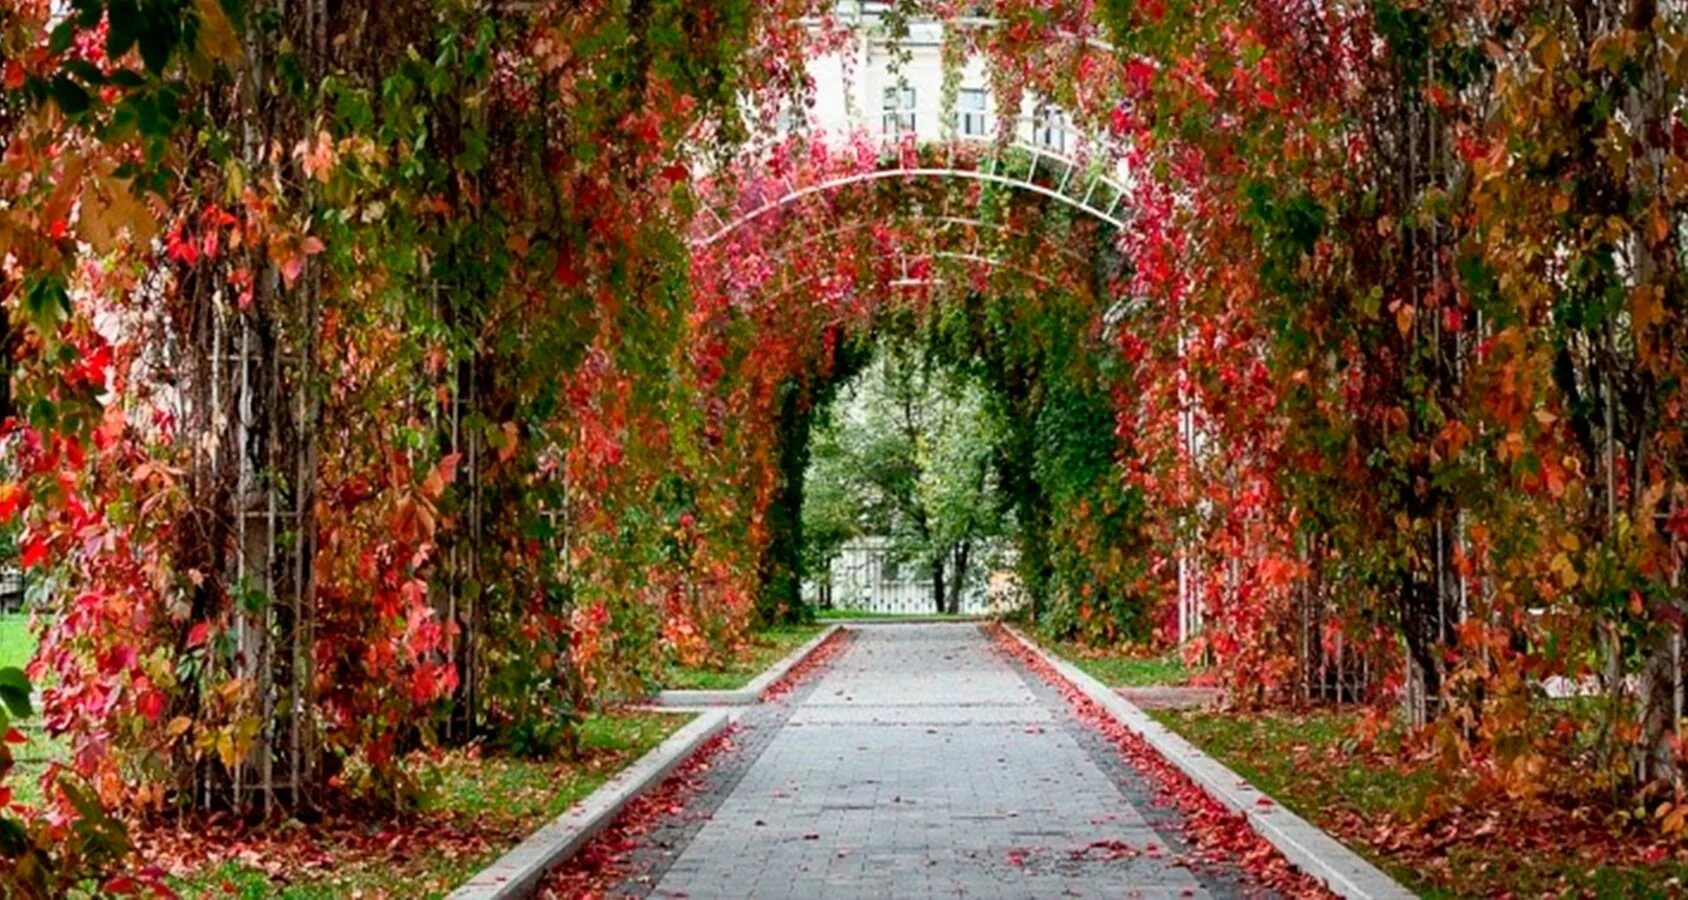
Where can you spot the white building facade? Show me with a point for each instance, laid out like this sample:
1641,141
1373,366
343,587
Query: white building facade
895,87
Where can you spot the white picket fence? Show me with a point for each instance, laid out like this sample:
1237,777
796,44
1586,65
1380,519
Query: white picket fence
865,578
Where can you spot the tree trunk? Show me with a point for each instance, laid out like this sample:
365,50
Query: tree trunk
1655,757
938,593
958,578
1661,669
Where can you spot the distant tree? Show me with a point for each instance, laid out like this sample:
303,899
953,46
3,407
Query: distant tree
907,455
833,506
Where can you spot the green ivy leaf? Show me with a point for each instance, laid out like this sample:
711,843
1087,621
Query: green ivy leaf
59,41
123,27
70,96
85,70
157,40
14,841
47,302
14,692
127,78
83,800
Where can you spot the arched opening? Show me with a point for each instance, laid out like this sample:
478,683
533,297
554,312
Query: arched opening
903,510
937,257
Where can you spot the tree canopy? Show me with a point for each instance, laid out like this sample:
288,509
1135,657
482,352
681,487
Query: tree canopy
906,455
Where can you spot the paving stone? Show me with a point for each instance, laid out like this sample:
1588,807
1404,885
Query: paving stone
922,762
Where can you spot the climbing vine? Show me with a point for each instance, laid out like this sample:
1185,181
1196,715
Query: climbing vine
383,381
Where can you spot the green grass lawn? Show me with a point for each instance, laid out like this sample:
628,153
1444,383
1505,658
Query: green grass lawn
1121,668
1132,671
766,648
1310,763
501,798
31,760
17,643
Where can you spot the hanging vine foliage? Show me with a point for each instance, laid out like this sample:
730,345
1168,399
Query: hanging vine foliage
381,379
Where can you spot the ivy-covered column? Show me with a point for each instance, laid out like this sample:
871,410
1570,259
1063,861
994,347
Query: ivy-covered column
781,570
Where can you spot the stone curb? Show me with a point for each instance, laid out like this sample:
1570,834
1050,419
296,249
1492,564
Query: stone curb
517,873
752,692
1313,851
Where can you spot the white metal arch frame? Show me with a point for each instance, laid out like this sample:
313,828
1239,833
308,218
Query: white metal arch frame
782,286
1038,137
786,251
788,287
1080,193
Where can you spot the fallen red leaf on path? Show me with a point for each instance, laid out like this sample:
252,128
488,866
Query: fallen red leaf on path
1109,849
602,863
1219,835
821,656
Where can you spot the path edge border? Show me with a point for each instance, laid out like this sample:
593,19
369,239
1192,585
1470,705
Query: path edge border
752,691
518,872
1304,844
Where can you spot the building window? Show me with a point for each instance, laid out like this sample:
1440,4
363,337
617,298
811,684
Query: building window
1049,128
970,110
899,110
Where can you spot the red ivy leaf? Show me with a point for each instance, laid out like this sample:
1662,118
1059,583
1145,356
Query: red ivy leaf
151,705
568,274
34,552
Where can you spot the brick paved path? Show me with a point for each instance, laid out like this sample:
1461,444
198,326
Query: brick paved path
922,762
